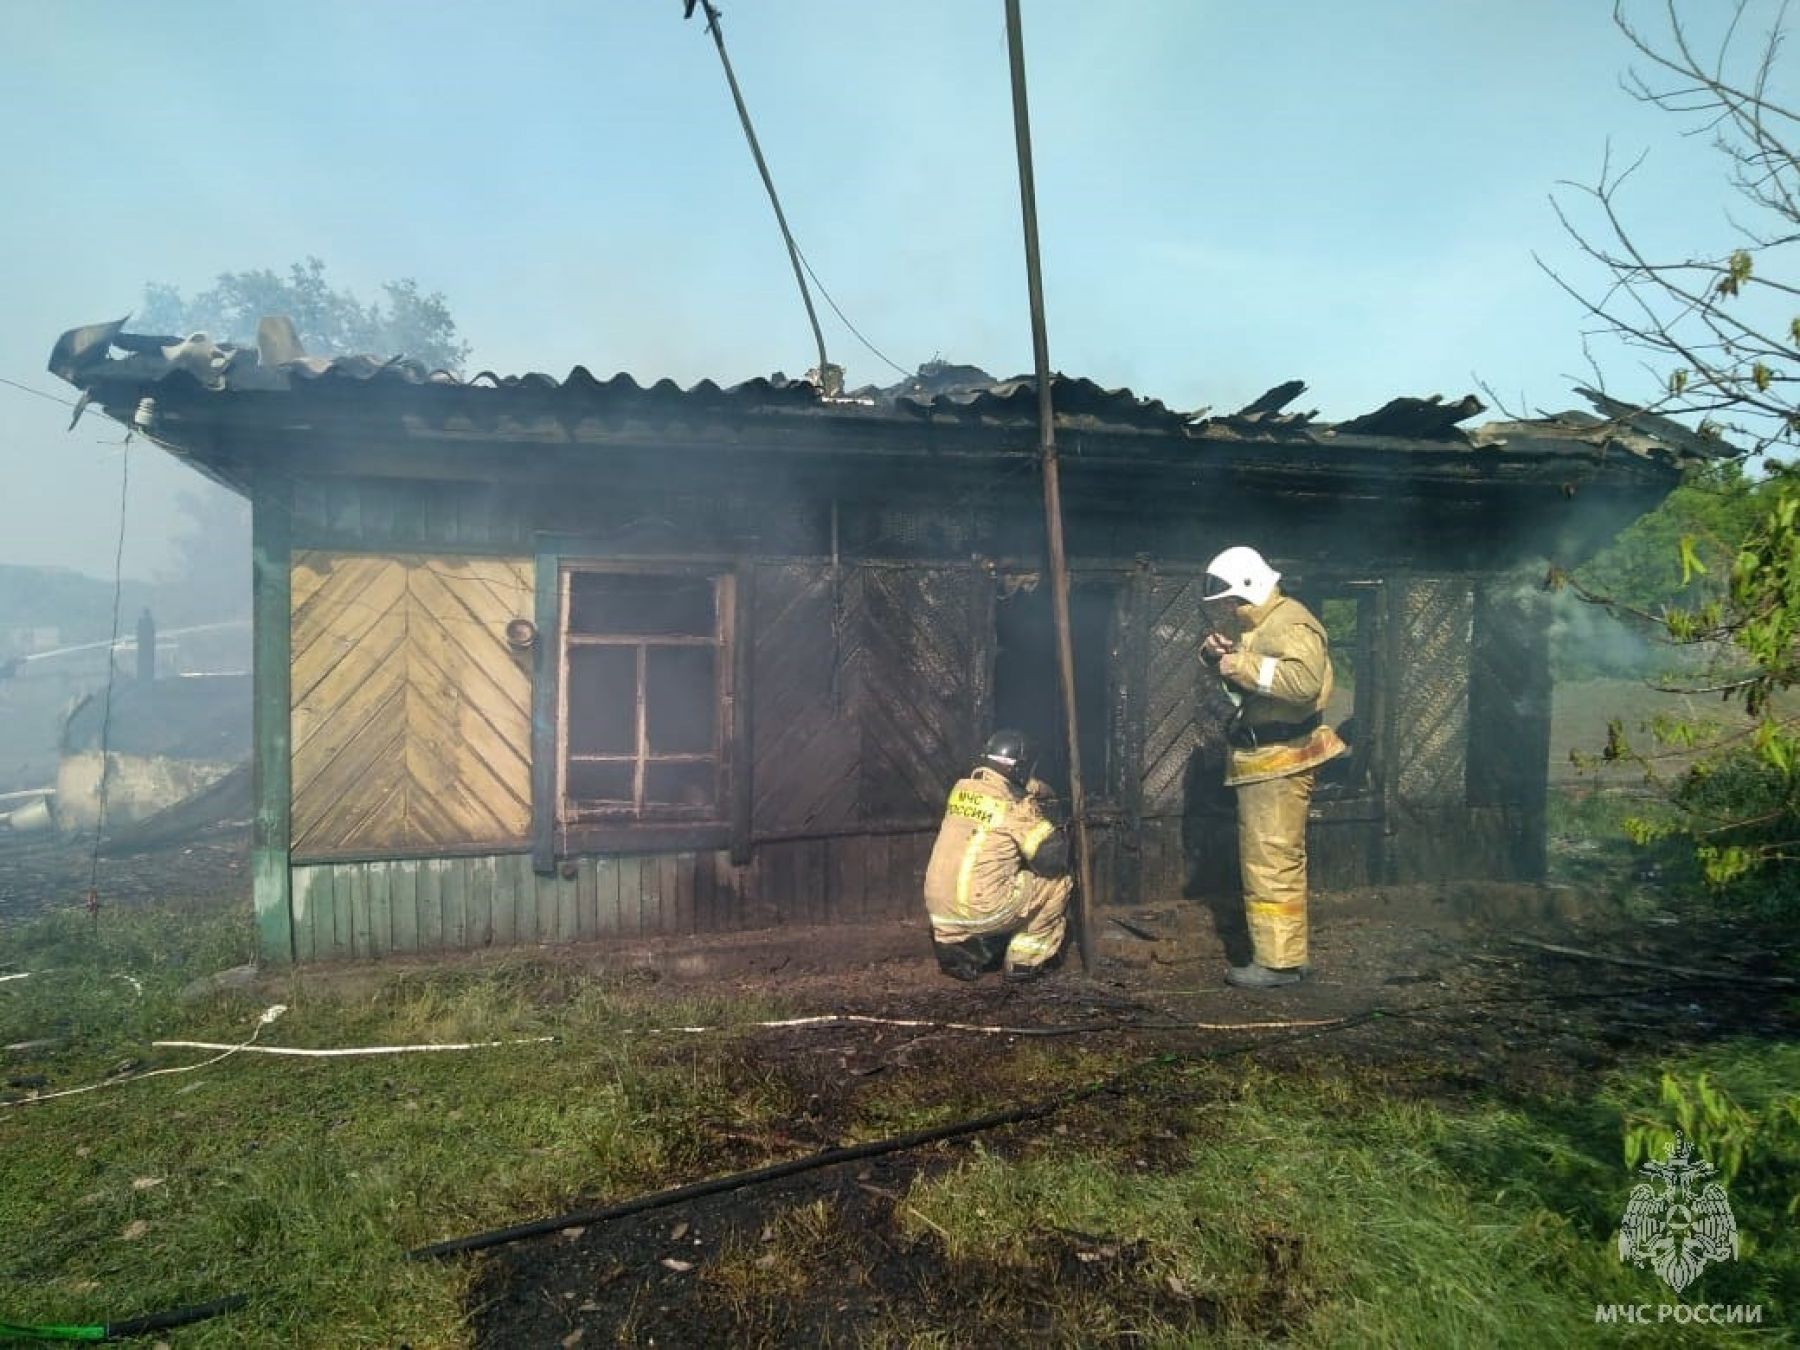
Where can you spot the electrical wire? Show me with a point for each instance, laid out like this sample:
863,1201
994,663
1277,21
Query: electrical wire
37,393
905,374
112,672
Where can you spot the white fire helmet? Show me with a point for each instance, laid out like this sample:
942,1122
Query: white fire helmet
1240,572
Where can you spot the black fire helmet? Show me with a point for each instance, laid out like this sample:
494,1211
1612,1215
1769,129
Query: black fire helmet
1011,753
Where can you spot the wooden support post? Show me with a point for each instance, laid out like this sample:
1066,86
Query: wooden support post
741,743
1059,572
271,699
1134,647
546,670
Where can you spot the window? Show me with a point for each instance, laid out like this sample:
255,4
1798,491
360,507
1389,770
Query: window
645,669
1351,615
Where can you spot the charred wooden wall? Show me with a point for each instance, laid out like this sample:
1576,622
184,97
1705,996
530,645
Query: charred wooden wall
869,692
1457,750
870,635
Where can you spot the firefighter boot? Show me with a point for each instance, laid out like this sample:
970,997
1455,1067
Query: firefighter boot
964,960
1258,976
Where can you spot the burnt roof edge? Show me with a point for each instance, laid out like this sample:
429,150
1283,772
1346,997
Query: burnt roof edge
189,368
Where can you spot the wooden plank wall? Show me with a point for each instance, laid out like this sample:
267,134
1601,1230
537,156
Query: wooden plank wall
924,662
807,740
1184,715
1187,833
869,691
1432,831
1429,652
411,716
865,720
359,910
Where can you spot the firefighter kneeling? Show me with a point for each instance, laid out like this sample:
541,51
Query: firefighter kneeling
998,882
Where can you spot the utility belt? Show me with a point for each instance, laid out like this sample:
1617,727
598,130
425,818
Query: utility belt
1244,737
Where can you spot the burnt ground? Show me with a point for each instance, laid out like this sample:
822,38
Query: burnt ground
826,1258
42,874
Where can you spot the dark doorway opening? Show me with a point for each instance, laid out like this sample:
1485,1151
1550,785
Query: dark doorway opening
1027,689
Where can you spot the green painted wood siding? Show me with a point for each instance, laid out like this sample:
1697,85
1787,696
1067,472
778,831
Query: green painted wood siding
360,910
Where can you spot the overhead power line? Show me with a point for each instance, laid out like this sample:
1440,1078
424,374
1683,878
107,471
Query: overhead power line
37,393
905,373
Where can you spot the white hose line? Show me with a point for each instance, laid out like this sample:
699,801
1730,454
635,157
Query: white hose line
249,1047
355,1050
841,1019
132,980
822,1020
268,1016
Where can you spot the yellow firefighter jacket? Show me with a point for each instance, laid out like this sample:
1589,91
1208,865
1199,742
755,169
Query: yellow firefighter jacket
1283,670
990,833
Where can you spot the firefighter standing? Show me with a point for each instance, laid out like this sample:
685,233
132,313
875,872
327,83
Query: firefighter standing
998,882
1279,673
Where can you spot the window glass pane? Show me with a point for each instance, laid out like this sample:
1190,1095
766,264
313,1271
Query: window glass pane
602,700
609,781
689,783
683,699
630,604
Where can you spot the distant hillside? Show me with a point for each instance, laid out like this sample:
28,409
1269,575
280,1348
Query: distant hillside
78,606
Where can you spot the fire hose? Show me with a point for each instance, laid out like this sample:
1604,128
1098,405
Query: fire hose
130,1326
1039,1110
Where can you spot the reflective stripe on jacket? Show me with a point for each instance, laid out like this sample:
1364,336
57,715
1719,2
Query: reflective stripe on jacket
990,833
1283,671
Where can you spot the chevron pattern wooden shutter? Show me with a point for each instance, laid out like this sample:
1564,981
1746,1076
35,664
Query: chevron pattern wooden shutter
411,716
1431,741
1185,711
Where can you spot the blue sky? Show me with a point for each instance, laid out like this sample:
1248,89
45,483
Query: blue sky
1231,195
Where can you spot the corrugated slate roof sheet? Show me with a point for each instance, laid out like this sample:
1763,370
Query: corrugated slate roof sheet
939,392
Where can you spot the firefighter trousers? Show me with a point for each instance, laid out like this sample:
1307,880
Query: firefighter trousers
1033,920
1272,857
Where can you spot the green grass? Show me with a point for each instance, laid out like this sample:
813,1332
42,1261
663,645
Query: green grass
1316,1212
1212,1201
304,1182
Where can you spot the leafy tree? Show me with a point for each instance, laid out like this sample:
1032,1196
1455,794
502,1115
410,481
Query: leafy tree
1641,577
330,322
1720,332
210,574
1714,508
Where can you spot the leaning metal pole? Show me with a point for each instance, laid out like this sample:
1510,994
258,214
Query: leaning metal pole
826,384
1059,571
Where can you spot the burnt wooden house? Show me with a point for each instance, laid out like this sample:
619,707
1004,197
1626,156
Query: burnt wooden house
543,660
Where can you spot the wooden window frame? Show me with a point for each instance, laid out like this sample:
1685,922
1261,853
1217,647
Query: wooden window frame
639,825
1361,795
